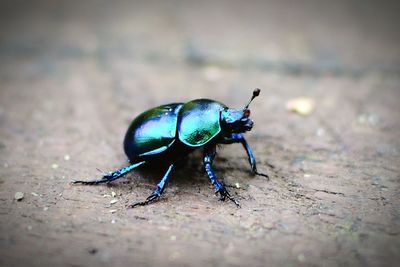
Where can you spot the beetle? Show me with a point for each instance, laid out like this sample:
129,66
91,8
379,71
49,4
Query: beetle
168,133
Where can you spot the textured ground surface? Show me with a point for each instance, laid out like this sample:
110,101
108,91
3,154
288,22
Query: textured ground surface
74,75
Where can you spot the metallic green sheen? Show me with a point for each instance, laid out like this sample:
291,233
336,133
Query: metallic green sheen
199,122
152,132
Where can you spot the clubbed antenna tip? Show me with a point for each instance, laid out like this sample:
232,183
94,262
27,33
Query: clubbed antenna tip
256,93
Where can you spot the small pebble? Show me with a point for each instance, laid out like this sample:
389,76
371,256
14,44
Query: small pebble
237,185
54,166
45,208
19,196
301,105
113,201
34,194
113,221
113,211
113,194
66,157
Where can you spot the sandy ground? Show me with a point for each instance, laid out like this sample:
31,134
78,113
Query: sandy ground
74,75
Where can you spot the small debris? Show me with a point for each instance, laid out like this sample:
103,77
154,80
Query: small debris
301,105
19,196
34,194
113,221
92,251
45,208
320,132
301,257
370,119
113,201
113,211
67,157
237,185
172,238
113,194
54,166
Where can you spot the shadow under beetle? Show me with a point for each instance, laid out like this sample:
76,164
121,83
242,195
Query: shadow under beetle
168,133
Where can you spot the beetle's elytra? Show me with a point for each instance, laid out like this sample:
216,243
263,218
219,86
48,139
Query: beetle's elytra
170,132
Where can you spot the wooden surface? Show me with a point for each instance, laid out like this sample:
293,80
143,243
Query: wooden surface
73,75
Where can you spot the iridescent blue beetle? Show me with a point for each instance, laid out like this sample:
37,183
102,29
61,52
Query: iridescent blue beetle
168,133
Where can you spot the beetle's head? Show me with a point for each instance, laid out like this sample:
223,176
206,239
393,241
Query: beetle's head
237,120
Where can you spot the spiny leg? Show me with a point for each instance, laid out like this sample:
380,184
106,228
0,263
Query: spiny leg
111,176
157,191
209,155
239,138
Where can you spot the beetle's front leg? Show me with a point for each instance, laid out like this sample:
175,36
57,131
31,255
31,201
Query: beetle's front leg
239,138
209,155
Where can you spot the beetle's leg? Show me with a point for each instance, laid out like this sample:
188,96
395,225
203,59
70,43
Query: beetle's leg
157,191
239,138
111,176
209,155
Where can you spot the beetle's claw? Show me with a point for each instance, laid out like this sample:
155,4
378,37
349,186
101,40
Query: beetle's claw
152,198
255,172
225,194
261,174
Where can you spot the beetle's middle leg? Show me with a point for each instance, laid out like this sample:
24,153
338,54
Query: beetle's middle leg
209,155
239,138
111,176
157,191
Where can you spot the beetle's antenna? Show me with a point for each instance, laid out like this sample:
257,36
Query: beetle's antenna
256,93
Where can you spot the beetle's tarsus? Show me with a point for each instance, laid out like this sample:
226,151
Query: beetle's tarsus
152,198
111,176
225,194
105,179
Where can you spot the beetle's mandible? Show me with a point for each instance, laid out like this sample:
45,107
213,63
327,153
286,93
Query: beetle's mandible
170,132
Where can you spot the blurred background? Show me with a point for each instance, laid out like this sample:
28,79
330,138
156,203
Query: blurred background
73,74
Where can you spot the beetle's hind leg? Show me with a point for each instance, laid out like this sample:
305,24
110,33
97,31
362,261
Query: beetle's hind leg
112,175
157,191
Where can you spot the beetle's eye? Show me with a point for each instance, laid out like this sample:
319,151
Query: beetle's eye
246,113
